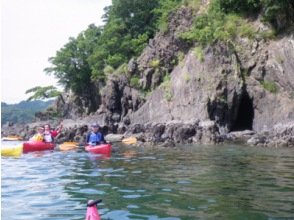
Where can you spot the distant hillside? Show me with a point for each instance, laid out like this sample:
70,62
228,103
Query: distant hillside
23,111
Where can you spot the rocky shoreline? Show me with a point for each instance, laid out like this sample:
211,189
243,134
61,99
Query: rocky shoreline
163,134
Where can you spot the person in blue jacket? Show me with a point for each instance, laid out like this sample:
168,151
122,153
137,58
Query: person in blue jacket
95,137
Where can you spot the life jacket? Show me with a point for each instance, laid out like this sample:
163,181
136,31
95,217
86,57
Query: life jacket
95,137
38,137
48,137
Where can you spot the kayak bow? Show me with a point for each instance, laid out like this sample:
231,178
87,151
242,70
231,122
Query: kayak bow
92,211
29,146
12,151
99,149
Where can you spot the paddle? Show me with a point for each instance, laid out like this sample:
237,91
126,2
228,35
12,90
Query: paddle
130,140
71,143
67,146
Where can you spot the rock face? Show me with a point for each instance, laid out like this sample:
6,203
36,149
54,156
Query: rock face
282,135
198,95
217,89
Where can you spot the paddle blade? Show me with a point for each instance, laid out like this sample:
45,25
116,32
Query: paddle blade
130,140
72,143
67,146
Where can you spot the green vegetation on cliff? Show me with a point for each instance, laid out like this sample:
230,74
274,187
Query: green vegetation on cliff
228,19
22,112
129,24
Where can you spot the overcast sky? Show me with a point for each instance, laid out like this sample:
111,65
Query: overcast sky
31,32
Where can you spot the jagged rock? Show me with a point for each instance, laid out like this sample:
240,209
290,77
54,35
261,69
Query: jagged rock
176,132
165,48
257,141
247,134
167,143
281,136
206,99
132,66
114,137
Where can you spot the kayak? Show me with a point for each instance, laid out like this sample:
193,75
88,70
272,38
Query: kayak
65,146
37,146
99,149
12,151
11,138
92,211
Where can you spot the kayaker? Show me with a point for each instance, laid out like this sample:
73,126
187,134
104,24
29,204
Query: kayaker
50,134
95,137
39,134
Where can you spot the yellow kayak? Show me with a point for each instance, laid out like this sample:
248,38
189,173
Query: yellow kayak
12,151
11,138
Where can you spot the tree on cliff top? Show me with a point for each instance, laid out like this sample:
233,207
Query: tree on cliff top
129,25
70,65
40,93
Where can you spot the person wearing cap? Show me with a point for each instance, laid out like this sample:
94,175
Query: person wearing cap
39,135
95,137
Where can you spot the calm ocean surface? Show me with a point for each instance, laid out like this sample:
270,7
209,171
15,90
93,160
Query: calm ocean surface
190,182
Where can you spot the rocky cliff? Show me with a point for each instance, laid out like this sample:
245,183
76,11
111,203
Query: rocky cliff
190,94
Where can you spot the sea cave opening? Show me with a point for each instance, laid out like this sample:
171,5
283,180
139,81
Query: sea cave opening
245,115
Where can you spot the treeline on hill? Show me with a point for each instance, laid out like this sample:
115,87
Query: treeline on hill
129,24
23,111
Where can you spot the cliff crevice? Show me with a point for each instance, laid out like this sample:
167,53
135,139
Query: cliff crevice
188,93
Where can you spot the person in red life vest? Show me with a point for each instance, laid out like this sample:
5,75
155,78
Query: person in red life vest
50,134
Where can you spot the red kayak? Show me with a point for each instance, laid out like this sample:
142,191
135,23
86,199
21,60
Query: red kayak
92,211
31,145
99,149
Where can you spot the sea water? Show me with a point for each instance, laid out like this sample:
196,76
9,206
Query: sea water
230,181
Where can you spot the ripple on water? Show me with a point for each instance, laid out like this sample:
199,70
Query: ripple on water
133,207
134,196
90,191
196,182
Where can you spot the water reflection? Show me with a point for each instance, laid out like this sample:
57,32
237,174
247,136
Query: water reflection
191,182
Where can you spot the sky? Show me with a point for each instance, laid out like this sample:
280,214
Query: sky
31,32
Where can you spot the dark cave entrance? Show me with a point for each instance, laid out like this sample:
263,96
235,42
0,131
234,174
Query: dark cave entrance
245,115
